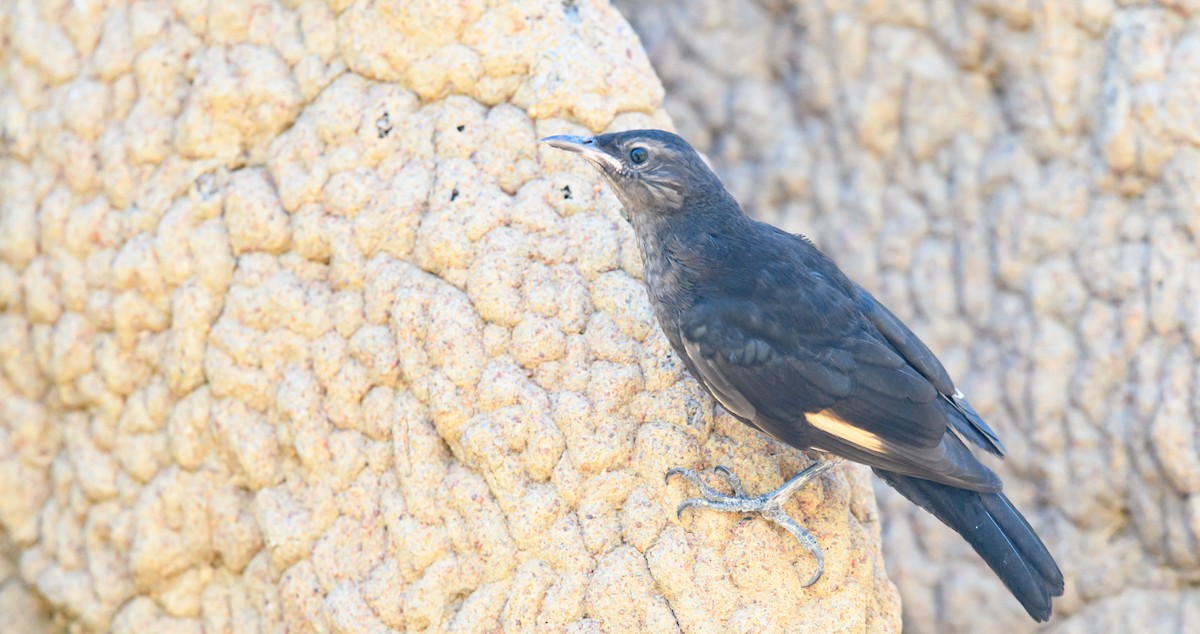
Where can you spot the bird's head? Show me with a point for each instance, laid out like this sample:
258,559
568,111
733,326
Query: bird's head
651,171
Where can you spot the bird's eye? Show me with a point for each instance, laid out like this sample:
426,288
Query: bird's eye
638,155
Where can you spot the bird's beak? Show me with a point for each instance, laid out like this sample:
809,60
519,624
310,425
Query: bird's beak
584,146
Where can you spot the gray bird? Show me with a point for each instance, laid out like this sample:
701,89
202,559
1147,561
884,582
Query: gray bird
789,345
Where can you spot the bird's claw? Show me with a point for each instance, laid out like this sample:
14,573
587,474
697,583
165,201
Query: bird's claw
690,475
674,471
684,505
734,481
769,505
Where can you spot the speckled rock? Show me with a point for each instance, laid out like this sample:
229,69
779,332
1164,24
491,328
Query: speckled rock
303,332
1018,180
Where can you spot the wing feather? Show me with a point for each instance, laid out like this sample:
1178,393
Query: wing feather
965,420
858,394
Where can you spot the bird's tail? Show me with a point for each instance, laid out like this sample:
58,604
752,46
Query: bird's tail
997,531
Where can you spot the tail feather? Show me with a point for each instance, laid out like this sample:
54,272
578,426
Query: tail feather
997,531
1021,534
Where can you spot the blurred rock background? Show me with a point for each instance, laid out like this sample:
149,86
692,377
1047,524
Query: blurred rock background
302,332
1021,182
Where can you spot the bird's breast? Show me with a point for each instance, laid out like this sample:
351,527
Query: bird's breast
668,280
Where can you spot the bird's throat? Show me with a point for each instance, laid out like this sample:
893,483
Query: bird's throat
666,273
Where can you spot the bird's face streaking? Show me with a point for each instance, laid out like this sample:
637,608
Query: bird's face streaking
651,171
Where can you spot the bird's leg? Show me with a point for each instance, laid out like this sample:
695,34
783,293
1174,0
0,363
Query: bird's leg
769,505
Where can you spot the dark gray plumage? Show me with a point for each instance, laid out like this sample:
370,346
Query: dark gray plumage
792,347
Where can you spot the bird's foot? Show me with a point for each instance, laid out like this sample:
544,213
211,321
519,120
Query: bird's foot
769,505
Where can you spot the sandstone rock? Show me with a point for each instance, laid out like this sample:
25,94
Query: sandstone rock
302,331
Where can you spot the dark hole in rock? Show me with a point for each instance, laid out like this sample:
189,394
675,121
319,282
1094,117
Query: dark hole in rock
383,125
206,185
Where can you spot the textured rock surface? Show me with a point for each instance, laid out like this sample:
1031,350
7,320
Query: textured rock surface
1019,180
302,332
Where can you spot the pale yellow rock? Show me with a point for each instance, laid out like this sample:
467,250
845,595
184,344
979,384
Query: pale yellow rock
302,331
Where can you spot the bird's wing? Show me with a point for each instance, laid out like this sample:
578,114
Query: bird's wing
859,397
968,422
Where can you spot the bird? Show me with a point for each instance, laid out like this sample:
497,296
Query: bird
788,344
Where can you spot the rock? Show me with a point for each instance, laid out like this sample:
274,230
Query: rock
302,330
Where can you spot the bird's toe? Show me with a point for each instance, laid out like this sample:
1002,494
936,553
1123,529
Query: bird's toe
732,479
